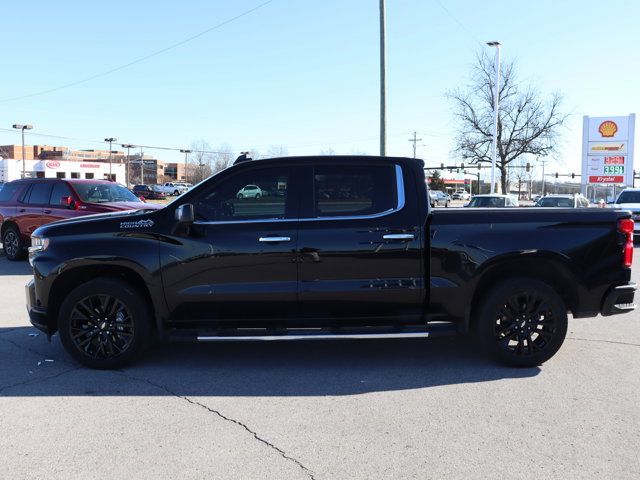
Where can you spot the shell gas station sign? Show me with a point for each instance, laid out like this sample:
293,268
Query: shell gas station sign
607,150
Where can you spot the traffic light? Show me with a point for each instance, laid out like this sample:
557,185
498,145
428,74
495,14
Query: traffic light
556,174
442,166
462,166
573,175
528,167
479,166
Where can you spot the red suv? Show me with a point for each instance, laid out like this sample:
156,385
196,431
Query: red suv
26,204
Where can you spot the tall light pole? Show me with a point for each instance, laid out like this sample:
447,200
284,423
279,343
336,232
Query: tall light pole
23,128
186,156
383,99
495,116
126,165
110,140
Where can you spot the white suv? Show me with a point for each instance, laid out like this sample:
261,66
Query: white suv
629,199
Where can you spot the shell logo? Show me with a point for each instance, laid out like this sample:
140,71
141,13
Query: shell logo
53,164
608,128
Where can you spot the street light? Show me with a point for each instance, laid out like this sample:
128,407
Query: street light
110,140
186,155
23,128
126,166
495,116
383,84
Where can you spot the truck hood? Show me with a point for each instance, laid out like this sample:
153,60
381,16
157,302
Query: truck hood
122,220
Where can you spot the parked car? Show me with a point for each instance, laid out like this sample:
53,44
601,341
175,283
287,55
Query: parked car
438,198
629,199
380,264
493,201
29,203
461,195
536,198
563,201
250,191
173,188
148,192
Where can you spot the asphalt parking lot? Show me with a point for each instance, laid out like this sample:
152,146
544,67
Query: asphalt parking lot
336,410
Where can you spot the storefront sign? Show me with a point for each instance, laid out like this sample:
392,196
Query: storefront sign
53,164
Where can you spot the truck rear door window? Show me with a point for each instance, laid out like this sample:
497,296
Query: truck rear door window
354,190
253,195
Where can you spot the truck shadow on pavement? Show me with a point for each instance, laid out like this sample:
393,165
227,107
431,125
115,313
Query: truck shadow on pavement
31,367
20,267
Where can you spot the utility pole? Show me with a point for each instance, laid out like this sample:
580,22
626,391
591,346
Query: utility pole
186,156
495,116
383,108
126,165
141,167
544,162
23,128
415,141
110,140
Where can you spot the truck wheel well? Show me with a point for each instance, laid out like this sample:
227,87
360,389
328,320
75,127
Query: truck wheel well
6,225
549,271
70,279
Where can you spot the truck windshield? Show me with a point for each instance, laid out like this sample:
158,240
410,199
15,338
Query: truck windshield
629,197
104,193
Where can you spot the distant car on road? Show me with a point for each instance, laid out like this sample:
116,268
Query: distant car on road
29,203
629,199
250,191
493,201
438,198
563,201
148,192
174,188
461,195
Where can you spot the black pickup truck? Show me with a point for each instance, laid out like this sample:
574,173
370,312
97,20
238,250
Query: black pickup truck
325,248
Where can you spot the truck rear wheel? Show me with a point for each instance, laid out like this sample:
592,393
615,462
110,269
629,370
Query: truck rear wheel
522,322
104,324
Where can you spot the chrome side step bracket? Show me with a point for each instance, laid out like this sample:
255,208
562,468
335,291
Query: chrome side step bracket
324,336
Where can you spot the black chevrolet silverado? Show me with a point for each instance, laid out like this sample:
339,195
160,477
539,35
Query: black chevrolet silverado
325,248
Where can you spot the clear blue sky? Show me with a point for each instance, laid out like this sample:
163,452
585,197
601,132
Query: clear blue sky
302,74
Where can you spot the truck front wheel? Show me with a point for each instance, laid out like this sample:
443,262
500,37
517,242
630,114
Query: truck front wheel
522,322
104,324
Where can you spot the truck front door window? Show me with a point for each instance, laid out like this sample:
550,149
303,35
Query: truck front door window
254,195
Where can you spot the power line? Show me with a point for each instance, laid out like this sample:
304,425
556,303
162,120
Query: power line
141,59
102,142
460,24
415,141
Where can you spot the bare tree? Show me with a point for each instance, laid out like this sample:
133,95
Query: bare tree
277,151
527,124
222,158
199,163
328,151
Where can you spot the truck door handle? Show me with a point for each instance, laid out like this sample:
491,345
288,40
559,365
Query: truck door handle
47,211
22,210
274,239
399,236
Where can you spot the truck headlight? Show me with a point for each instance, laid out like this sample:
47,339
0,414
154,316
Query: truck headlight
38,244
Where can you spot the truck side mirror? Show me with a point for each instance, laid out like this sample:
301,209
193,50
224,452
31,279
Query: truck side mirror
184,213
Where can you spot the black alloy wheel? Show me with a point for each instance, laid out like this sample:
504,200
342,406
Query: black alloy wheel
104,324
12,244
523,322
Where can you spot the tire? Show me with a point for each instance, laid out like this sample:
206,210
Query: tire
176,193
240,196
446,205
258,196
522,322
94,340
13,244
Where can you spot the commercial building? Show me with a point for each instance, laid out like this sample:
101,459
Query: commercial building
63,162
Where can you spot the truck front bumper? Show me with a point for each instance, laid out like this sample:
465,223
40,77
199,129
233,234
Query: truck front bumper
619,300
37,314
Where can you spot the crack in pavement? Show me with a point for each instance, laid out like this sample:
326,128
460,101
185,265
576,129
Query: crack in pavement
603,341
30,350
282,453
40,379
